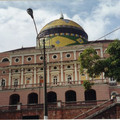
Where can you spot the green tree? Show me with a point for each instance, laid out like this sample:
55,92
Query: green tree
94,66
87,85
112,63
88,60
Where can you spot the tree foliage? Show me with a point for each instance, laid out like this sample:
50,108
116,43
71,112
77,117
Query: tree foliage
112,68
94,66
87,85
88,60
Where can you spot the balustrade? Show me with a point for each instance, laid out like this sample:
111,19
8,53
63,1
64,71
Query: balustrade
57,104
99,81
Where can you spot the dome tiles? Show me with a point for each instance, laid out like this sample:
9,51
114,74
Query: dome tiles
63,32
61,22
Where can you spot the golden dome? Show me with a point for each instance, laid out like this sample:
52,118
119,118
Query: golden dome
62,32
61,22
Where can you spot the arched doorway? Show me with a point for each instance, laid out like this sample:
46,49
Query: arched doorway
90,95
51,97
70,96
14,99
33,98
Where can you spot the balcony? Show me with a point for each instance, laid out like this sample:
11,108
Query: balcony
71,83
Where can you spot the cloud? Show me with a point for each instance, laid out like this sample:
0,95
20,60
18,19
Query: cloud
103,19
108,8
17,28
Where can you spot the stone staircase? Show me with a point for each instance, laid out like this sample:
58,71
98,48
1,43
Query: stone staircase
96,110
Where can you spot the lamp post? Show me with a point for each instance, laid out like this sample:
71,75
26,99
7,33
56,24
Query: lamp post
45,90
30,12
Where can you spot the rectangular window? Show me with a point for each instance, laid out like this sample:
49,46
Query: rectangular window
55,80
28,80
69,78
3,83
15,82
41,80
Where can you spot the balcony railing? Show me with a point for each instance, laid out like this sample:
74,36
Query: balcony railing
71,83
58,104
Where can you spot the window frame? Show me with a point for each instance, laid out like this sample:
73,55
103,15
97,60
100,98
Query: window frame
55,79
3,83
28,58
3,60
17,59
53,56
68,54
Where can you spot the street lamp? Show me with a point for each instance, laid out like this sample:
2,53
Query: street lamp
30,12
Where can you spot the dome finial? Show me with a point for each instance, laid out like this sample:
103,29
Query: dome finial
61,17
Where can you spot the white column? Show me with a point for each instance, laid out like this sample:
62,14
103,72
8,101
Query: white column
104,80
61,73
22,59
61,56
74,55
9,82
10,60
35,81
48,74
75,72
47,57
101,50
79,77
21,76
35,58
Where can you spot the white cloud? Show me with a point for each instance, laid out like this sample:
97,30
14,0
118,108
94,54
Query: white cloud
14,29
100,19
108,8
17,28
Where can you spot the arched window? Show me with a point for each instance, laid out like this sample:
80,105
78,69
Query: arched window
90,95
5,60
14,99
70,96
3,83
113,93
33,98
51,97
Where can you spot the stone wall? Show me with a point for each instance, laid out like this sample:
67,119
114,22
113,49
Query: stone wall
69,112
58,113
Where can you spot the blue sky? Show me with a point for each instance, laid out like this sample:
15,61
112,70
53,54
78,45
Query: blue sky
97,17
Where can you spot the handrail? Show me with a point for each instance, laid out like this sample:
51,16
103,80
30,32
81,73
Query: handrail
94,109
53,105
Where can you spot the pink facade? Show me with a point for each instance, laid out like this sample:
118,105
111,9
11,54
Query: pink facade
22,72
